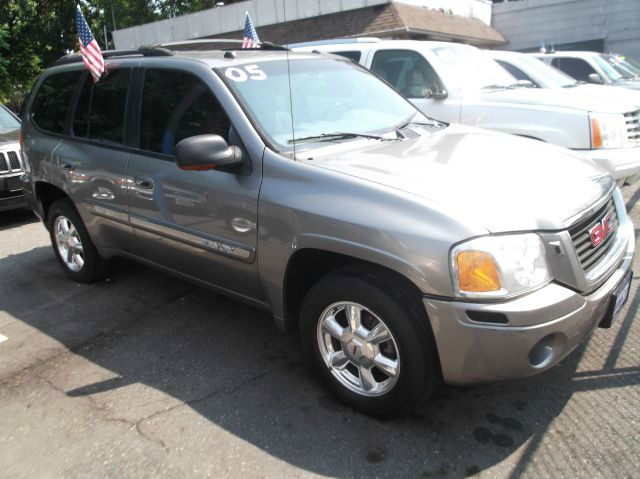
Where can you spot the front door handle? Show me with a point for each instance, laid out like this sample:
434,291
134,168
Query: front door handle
143,181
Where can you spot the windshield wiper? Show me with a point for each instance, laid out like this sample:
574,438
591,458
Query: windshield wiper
338,135
510,86
575,84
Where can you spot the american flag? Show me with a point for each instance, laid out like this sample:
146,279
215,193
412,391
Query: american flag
91,55
250,39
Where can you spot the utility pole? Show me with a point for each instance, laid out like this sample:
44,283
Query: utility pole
113,17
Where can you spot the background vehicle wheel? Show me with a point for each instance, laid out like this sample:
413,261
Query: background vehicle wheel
370,341
73,246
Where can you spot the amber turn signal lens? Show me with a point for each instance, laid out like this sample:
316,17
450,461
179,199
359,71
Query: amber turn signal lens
596,134
477,272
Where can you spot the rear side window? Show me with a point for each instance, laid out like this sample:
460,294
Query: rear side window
100,113
51,103
408,71
175,106
351,55
575,67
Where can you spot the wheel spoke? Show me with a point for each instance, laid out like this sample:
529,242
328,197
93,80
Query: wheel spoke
386,365
339,360
353,316
331,326
378,334
78,260
367,380
64,225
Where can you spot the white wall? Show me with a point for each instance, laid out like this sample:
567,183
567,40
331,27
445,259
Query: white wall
527,23
267,12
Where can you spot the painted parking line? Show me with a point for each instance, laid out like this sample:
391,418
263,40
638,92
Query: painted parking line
3,338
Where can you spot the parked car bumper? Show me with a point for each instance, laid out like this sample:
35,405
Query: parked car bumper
11,194
543,328
622,163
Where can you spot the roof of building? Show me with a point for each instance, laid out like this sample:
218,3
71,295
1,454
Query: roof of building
392,19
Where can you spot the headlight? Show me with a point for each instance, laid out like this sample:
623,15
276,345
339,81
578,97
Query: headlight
608,130
494,267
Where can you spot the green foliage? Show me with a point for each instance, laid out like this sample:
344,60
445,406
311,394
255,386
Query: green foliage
34,33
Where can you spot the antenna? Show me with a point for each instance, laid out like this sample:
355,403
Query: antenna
293,130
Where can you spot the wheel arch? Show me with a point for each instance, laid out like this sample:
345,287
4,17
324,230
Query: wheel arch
46,194
306,266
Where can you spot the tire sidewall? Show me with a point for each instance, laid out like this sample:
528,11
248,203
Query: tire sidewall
417,368
90,254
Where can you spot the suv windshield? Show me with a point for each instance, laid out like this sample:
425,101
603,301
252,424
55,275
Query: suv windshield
545,74
471,69
617,67
7,121
331,99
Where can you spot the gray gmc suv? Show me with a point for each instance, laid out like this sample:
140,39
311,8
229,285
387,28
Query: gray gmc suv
405,250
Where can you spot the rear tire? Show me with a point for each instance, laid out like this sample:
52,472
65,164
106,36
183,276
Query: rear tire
386,362
72,245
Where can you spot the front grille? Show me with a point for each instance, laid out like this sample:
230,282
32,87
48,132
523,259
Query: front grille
10,162
632,119
588,254
13,160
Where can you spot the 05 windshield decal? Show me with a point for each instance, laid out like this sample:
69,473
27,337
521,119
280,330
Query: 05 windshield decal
250,72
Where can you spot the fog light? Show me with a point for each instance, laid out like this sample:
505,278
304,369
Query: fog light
547,350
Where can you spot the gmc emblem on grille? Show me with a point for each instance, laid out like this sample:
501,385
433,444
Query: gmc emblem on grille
600,231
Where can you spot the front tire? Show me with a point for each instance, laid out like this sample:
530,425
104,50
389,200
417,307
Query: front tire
370,341
73,246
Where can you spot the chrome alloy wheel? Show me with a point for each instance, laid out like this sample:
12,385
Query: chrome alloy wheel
68,243
358,348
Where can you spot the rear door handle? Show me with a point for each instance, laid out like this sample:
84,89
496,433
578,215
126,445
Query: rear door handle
143,181
68,166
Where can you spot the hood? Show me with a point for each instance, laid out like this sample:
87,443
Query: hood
631,97
563,98
633,84
501,182
12,136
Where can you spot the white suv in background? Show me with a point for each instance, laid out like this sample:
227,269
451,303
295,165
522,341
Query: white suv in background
460,83
598,68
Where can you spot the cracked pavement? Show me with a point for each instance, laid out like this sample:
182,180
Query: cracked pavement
145,375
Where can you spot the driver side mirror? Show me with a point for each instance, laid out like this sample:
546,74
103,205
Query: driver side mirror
438,94
595,78
207,152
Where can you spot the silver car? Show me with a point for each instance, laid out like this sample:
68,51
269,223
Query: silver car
406,251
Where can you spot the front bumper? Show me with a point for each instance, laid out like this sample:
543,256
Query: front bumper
11,194
543,328
622,163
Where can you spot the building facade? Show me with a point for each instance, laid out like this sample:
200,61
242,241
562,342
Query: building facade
287,21
596,25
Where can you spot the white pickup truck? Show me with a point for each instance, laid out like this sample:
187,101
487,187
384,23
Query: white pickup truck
461,84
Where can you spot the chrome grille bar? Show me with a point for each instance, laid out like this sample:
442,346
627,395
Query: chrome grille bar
588,254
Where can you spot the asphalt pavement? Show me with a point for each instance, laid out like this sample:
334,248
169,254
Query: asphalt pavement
144,375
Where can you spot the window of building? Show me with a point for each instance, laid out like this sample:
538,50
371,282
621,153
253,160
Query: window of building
574,67
51,103
175,106
408,71
351,55
100,112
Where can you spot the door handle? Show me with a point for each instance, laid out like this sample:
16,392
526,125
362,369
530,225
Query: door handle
143,181
67,166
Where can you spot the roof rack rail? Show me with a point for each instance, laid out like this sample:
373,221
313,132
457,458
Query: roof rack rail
145,51
201,45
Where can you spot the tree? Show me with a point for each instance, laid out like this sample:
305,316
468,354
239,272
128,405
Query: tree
35,33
